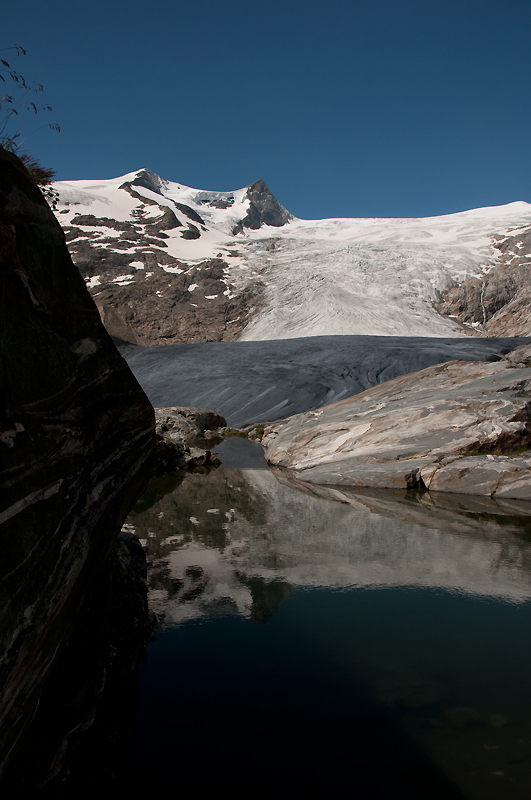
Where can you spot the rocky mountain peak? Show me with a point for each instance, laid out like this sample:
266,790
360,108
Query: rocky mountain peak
264,209
149,180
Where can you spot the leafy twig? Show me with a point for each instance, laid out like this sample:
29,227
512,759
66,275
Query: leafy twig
13,103
15,106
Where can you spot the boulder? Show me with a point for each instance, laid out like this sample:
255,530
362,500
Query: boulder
77,440
458,427
179,431
185,424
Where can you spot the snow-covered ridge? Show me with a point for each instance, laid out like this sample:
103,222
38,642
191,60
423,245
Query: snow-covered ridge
321,277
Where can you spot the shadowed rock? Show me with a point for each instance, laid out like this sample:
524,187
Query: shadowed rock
149,180
76,446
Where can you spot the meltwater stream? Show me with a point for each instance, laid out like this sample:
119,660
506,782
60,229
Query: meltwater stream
332,644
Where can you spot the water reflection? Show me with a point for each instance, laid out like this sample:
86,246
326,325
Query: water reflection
422,599
225,540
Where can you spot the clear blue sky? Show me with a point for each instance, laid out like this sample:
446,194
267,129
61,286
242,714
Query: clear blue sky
382,108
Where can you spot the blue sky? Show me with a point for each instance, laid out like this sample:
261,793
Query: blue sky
410,108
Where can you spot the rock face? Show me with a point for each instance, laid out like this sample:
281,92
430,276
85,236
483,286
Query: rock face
81,721
159,308
76,442
456,427
499,303
264,209
149,286
161,299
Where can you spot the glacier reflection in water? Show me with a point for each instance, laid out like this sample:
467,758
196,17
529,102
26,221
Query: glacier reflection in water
420,602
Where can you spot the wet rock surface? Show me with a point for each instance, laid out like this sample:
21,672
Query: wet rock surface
77,445
454,427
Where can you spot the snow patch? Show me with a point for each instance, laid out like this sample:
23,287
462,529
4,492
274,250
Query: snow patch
94,281
124,280
175,270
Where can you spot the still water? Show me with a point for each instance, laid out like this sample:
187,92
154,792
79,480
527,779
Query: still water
330,643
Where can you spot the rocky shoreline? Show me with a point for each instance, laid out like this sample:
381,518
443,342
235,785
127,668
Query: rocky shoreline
454,427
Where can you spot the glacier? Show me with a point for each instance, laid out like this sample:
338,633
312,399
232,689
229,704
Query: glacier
319,277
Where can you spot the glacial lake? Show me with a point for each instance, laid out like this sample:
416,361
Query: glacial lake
325,643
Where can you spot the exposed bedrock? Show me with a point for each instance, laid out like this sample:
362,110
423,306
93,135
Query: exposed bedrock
160,308
264,208
77,444
497,304
456,427
166,301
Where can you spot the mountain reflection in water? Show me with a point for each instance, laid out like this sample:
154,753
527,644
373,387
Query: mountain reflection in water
386,622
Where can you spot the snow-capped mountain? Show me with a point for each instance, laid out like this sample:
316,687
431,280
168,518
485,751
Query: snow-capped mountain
167,264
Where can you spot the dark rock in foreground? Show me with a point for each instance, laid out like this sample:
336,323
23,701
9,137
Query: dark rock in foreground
85,704
76,447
